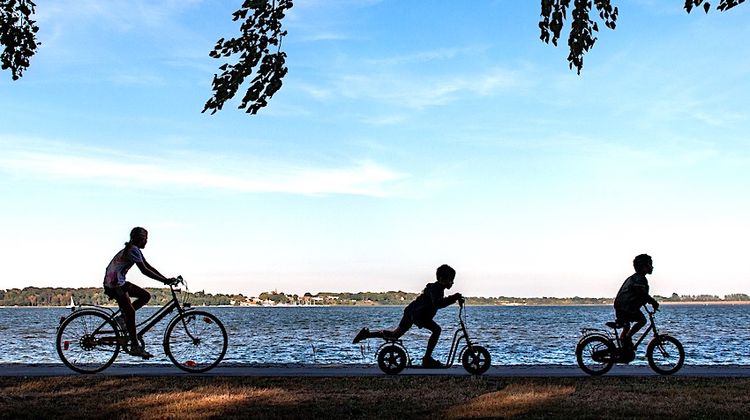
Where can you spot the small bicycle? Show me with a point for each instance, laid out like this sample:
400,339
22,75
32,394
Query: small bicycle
597,351
393,357
89,340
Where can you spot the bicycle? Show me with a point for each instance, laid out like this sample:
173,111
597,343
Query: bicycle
393,357
89,340
597,351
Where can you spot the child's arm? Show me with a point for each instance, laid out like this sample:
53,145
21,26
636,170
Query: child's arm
642,289
440,302
151,272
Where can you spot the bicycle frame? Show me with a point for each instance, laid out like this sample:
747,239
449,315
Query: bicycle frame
651,327
152,320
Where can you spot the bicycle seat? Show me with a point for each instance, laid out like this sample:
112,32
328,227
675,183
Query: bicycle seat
613,324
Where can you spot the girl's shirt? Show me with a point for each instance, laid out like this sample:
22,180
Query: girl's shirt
117,269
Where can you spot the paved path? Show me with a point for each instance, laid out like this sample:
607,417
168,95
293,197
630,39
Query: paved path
364,370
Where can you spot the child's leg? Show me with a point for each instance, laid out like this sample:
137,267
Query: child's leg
402,328
128,312
432,342
141,295
624,333
640,321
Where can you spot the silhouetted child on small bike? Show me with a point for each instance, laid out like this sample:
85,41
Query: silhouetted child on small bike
632,296
121,290
421,313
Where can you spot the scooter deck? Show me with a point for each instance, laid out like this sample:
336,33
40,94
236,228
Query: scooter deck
423,367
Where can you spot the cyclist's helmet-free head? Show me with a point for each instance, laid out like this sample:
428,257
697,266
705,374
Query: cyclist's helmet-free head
445,275
640,260
138,235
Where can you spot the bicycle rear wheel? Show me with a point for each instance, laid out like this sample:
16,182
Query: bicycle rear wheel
665,354
595,355
195,341
88,341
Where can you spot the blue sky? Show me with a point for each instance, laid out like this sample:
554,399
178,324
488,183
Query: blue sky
404,137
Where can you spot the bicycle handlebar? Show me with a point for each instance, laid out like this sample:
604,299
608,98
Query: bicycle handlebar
650,312
174,281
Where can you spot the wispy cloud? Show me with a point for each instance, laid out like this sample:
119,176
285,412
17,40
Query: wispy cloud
122,15
136,77
426,56
193,171
685,108
383,120
315,36
423,92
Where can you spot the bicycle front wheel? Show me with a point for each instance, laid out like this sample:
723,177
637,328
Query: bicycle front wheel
88,341
665,354
195,341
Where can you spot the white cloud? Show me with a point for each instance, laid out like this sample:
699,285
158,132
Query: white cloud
425,91
383,120
425,56
316,36
194,171
122,15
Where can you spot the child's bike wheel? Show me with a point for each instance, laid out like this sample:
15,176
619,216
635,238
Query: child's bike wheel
391,359
595,355
665,354
476,360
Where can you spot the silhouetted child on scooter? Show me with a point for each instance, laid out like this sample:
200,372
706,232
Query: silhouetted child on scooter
420,313
632,295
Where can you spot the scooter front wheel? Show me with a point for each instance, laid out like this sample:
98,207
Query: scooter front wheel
476,360
391,359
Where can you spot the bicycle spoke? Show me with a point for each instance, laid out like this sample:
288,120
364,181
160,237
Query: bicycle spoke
196,342
81,342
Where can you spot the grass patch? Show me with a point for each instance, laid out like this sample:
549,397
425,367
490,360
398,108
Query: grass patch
371,397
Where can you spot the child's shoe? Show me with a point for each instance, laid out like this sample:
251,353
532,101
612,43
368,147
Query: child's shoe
361,335
429,362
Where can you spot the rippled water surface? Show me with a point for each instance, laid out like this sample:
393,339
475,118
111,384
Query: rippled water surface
711,334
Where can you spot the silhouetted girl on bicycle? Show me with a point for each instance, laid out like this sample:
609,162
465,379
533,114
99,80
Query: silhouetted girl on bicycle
117,288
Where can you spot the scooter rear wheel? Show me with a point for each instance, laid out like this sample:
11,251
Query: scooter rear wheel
476,360
391,359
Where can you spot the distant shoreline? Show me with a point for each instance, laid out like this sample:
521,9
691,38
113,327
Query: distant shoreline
669,303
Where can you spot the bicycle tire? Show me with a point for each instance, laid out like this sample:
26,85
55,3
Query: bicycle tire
77,344
391,359
476,359
662,342
585,353
186,349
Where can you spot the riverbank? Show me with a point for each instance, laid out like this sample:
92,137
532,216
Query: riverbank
372,397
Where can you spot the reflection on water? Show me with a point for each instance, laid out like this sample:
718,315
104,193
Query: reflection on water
711,334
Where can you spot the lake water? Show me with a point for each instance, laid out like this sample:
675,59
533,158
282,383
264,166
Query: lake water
514,335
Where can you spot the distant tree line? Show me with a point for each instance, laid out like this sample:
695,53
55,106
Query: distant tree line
733,297
58,296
